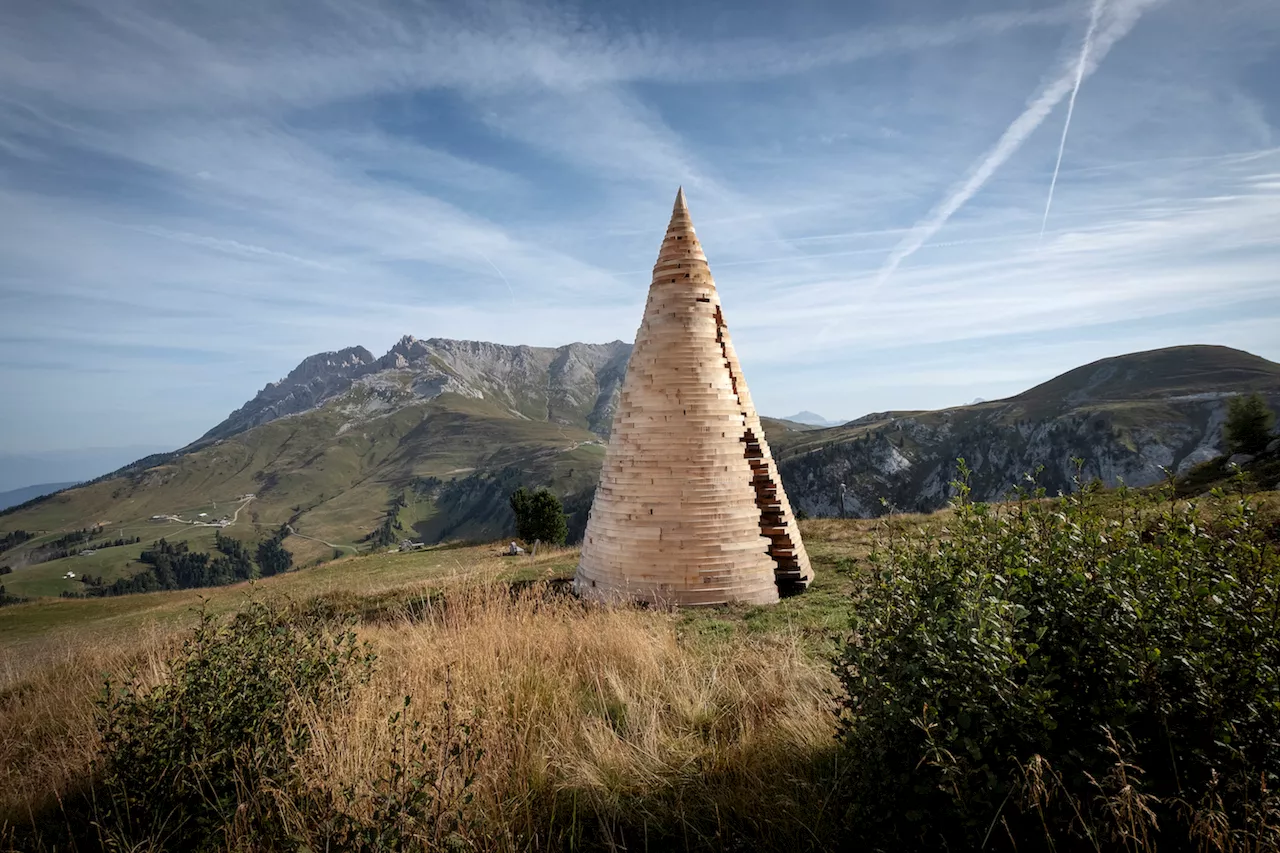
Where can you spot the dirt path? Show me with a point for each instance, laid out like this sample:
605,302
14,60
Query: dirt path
236,516
353,550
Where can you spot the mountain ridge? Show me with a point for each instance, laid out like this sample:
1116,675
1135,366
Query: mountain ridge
436,433
14,497
1130,418
444,365
809,418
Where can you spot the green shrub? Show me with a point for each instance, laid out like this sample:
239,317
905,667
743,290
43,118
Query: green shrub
1048,672
208,745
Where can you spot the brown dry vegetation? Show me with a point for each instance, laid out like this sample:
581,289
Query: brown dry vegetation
588,727
588,720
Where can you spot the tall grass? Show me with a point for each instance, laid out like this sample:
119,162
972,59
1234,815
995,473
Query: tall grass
1091,673
587,727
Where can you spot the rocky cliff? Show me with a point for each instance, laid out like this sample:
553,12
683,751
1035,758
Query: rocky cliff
1127,419
576,384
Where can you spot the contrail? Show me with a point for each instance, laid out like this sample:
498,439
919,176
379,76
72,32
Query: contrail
1122,19
501,276
1094,13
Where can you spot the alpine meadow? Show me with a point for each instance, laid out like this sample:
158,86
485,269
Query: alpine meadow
392,450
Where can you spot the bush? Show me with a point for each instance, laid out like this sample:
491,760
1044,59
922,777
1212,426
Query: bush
211,743
1047,671
539,516
1249,423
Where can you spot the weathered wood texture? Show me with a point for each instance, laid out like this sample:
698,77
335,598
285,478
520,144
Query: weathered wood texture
690,509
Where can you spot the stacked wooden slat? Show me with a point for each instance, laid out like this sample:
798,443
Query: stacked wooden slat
689,509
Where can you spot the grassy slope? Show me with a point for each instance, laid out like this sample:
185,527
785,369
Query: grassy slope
579,699
1132,389
834,545
722,710
1130,398
334,483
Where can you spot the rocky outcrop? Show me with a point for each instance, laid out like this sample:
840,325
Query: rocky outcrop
1127,419
318,378
576,384
909,462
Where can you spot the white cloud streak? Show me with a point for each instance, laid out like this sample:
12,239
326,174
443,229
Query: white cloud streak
201,201
1095,12
1123,17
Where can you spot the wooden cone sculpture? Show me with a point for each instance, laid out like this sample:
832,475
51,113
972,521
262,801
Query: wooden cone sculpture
689,509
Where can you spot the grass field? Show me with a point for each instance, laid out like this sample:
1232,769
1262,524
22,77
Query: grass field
29,631
331,478
674,674
583,727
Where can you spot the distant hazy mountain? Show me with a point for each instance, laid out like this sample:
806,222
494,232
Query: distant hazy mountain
17,496
811,419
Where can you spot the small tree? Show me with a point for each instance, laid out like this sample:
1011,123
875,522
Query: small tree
539,516
1249,422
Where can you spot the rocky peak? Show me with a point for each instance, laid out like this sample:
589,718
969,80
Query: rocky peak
317,378
325,364
573,384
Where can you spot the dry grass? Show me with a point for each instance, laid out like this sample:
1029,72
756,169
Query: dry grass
592,722
48,731
605,708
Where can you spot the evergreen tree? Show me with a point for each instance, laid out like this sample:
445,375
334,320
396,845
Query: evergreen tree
273,558
539,516
1249,423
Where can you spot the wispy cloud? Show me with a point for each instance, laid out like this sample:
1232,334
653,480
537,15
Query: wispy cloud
281,181
1122,19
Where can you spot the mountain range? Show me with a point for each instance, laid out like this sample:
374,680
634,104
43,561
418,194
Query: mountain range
436,434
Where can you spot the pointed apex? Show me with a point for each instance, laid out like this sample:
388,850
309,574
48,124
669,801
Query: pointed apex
681,242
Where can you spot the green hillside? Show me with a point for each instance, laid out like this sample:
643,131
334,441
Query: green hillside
443,466
454,459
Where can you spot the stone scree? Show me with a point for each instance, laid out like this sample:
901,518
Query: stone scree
690,509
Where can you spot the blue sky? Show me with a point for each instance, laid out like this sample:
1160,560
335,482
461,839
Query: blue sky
194,196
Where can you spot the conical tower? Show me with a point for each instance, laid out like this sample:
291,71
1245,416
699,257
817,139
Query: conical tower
689,509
